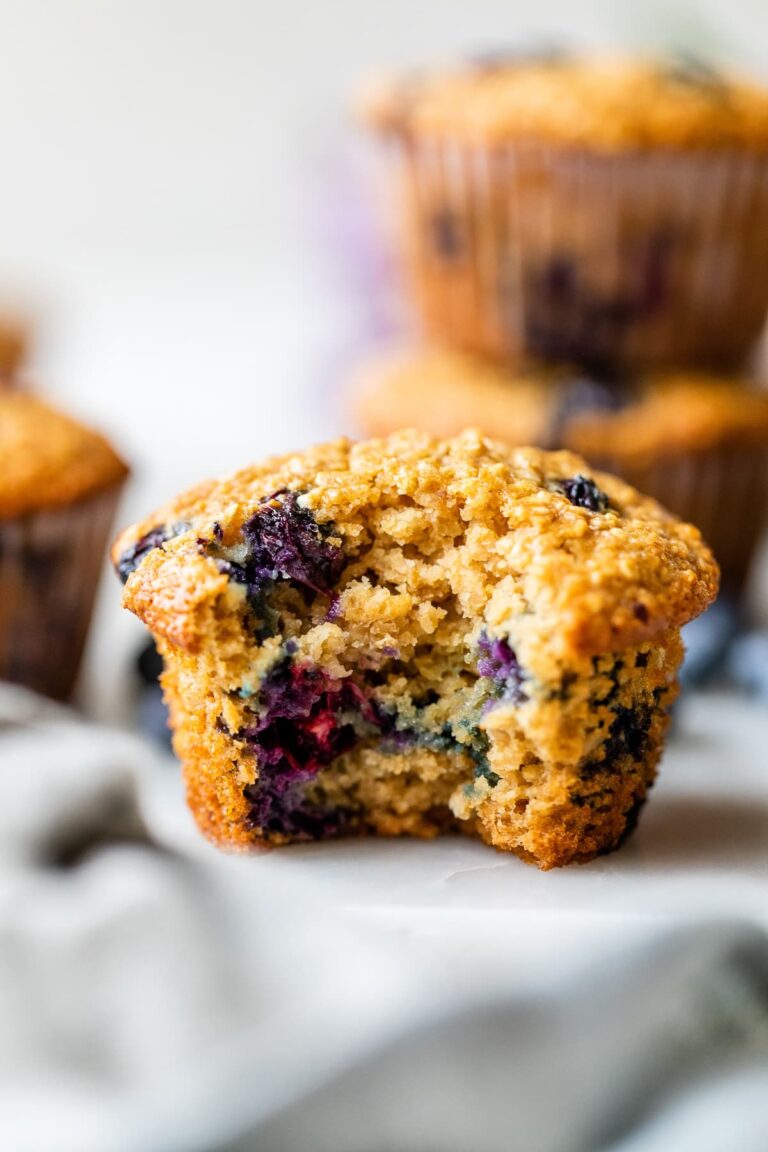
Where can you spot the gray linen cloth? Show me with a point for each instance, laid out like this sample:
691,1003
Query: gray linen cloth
151,1000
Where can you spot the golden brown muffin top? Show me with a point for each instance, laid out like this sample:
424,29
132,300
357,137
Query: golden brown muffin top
572,561
605,103
662,414
48,460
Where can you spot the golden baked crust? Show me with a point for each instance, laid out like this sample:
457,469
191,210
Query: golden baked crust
594,102
409,635
657,415
585,577
47,459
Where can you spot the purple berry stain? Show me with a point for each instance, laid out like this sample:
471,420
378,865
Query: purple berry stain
285,542
569,320
446,235
155,538
499,664
584,493
306,719
628,736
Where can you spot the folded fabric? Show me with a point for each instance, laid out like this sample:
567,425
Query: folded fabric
626,1063
149,999
158,1000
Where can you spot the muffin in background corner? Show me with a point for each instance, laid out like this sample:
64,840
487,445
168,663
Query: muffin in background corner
59,487
14,339
697,443
602,211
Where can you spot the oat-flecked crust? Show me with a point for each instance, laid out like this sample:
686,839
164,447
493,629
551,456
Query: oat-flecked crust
586,575
463,533
596,102
47,459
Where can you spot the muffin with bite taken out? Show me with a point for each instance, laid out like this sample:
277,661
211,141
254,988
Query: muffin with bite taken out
410,636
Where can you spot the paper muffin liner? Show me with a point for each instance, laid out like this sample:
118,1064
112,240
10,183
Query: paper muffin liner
50,565
639,259
723,491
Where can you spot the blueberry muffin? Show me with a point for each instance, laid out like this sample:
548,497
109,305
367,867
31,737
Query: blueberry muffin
603,211
411,636
59,484
698,443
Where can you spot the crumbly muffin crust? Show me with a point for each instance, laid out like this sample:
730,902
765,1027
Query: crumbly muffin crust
633,418
47,459
409,635
595,102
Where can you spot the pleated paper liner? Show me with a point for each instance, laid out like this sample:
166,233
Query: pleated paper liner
50,565
642,259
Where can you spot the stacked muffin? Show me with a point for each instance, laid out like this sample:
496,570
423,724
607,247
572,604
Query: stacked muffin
586,247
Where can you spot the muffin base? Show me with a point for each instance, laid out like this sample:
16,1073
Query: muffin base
556,777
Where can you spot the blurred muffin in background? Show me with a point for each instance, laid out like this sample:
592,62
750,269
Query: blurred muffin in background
697,443
601,211
14,340
59,486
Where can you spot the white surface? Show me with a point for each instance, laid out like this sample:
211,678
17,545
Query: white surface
701,851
